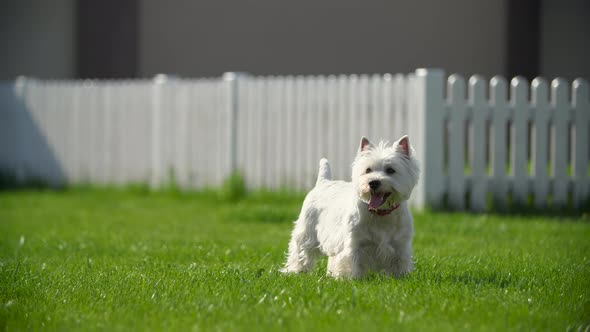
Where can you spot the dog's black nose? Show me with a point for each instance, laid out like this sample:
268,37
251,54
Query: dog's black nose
374,184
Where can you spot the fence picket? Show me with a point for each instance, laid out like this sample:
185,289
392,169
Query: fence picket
339,171
260,134
39,96
397,101
540,101
94,126
298,125
479,117
195,138
203,141
520,140
581,104
425,127
26,161
499,123
456,146
560,148
16,157
68,96
99,154
289,162
363,110
168,113
250,135
47,116
321,146
352,127
78,118
7,107
322,125
106,139
134,155
377,112
94,151
50,132
282,127
310,141
45,97
123,102
243,118
89,128
41,116
274,102
383,118
208,155
123,132
222,145
119,140
156,173
55,119
180,131
331,125
125,149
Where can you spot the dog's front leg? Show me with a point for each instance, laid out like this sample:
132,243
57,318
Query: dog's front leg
402,262
339,266
345,265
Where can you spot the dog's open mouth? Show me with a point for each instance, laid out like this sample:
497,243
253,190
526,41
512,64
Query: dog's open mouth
377,199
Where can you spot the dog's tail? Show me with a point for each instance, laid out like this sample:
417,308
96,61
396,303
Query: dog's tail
324,173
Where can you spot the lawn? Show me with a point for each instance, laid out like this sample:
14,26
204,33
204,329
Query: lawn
106,259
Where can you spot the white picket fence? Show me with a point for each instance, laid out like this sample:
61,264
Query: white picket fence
286,124
116,132
506,148
492,148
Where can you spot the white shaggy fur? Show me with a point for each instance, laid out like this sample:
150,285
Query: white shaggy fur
342,219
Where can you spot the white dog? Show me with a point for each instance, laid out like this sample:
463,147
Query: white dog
362,226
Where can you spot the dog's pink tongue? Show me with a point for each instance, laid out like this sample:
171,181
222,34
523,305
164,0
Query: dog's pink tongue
376,200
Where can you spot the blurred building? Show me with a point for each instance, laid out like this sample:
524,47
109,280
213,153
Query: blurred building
140,38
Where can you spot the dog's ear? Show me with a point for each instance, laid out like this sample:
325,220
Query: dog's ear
404,145
365,144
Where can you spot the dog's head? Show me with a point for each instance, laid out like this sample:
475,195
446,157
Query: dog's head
384,175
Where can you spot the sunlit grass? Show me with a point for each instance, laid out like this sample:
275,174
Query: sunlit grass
108,259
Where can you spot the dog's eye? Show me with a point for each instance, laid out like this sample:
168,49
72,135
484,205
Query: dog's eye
368,170
389,170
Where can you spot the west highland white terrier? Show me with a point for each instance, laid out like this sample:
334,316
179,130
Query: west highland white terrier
362,226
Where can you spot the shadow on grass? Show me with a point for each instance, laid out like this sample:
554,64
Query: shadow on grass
9,182
521,212
508,206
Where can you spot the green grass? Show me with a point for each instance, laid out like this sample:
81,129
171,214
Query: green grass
132,260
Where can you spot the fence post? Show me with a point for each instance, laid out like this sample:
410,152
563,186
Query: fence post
231,80
19,113
581,105
156,173
426,123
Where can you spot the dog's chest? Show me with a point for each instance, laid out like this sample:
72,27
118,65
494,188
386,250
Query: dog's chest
376,235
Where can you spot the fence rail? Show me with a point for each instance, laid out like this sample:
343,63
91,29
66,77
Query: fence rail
480,143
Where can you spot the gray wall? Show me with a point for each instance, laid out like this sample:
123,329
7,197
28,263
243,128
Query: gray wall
565,39
37,38
205,38
208,37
